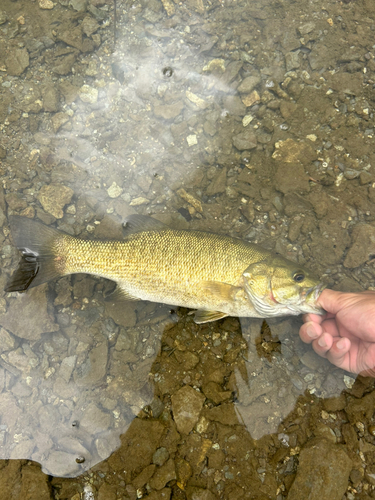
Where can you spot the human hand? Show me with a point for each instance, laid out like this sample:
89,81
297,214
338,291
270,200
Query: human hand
345,335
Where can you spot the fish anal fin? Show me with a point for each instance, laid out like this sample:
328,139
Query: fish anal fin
207,316
136,223
222,291
119,295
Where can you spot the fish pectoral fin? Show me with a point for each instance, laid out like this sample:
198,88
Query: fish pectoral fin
222,291
119,295
207,316
136,223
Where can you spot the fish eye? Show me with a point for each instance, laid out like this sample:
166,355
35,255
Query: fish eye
298,277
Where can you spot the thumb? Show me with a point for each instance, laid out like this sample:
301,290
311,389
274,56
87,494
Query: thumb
332,301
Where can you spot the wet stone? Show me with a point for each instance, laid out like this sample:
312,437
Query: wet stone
94,420
234,106
168,111
362,248
163,475
17,62
245,140
51,99
186,406
88,94
248,84
323,472
21,309
160,456
58,120
54,197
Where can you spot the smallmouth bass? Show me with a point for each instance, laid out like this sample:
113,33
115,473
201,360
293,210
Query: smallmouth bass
217,275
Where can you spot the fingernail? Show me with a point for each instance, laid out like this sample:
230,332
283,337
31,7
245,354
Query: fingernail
311,332
340,344
322,342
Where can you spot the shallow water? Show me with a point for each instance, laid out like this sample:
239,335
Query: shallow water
253,119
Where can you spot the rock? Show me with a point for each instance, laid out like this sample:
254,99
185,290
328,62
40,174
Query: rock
245,140
114,191
94,420
71,36
15,202
54,197
190,199
292,61
69,91
24,481
323,472
92,371
122,313
27,315
3,17
362,248
218,183
64,65
347,83
234,106
163,475
58,120
290,174
88,94
306,28
7,341
46,4
186,406
168,111
3,152
66,368
250,99
138,445
17,62
248,84
194,493
51,99
78,5
89,25
61,463
164,494
160,456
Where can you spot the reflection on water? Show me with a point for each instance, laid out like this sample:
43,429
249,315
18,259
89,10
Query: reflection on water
253,119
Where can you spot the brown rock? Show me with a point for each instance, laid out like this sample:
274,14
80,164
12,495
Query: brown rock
186,406
17,62
363,246
54,197
323,472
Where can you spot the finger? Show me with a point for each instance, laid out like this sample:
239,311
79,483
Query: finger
323,344
331,300
338,353
317,318
310,331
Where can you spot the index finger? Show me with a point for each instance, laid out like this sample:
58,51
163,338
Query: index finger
317,318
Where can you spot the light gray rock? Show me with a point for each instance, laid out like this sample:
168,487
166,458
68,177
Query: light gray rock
186,406
27,315
94,420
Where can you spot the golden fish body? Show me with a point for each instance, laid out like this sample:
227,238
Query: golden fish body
215,274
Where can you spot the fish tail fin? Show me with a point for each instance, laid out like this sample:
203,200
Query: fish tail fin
40,261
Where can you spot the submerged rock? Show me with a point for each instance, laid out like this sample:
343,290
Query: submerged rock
186,406
323,472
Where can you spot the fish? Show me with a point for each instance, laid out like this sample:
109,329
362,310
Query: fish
214,274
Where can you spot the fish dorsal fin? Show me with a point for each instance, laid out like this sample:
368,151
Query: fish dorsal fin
136,223
119,295
222,291
207,316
